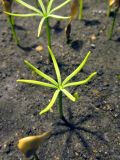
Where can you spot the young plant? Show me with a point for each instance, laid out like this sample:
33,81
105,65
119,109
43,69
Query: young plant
81,9
45,13
116,5
7,7
59,86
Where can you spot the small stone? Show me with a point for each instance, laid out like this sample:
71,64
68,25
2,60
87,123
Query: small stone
93,45
93,37
116,115
76,153
94,151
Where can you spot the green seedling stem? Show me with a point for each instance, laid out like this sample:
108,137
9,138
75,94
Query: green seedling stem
113,24
108,10
11,23
60,87
60,107
48,35
81,10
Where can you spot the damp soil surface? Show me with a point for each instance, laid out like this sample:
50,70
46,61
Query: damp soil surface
94,130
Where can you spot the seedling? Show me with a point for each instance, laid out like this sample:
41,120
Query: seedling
45,13
109,8
7,7
81,9
116,5
30,144
59,85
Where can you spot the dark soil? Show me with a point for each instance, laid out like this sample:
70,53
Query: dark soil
95,117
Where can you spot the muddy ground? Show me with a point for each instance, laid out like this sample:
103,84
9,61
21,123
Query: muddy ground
96,113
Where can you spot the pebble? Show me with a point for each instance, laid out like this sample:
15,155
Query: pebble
116,115
93,37
93,45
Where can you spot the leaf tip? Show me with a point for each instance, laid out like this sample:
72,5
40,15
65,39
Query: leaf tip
25,61
18,80
41,112
95,73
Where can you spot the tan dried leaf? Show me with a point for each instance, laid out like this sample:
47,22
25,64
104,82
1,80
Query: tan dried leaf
39,48
114,3
74,9
7,5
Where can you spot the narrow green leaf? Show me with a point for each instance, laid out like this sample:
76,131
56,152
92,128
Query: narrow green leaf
49,6
51,102
68,94
58,17
29,7
60,6
55,66
41,73
40,26
23,15
76,70
76,96
36,83
42,6
81,82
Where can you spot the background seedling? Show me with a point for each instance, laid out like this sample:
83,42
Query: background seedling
116,5
59,86
81,9
45,13
7,7
109,8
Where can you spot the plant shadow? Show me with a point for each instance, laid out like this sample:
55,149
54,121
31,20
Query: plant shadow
91,22
19,27
77,129
57,27
77,45
25,48
118,39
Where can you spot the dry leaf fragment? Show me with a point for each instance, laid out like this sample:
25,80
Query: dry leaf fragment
74,9
68,31
30,144
114,3
73,14
7,5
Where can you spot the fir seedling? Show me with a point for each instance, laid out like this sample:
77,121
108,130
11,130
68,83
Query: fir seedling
59,86
116,5
108,9
81,9
7,7
45,13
